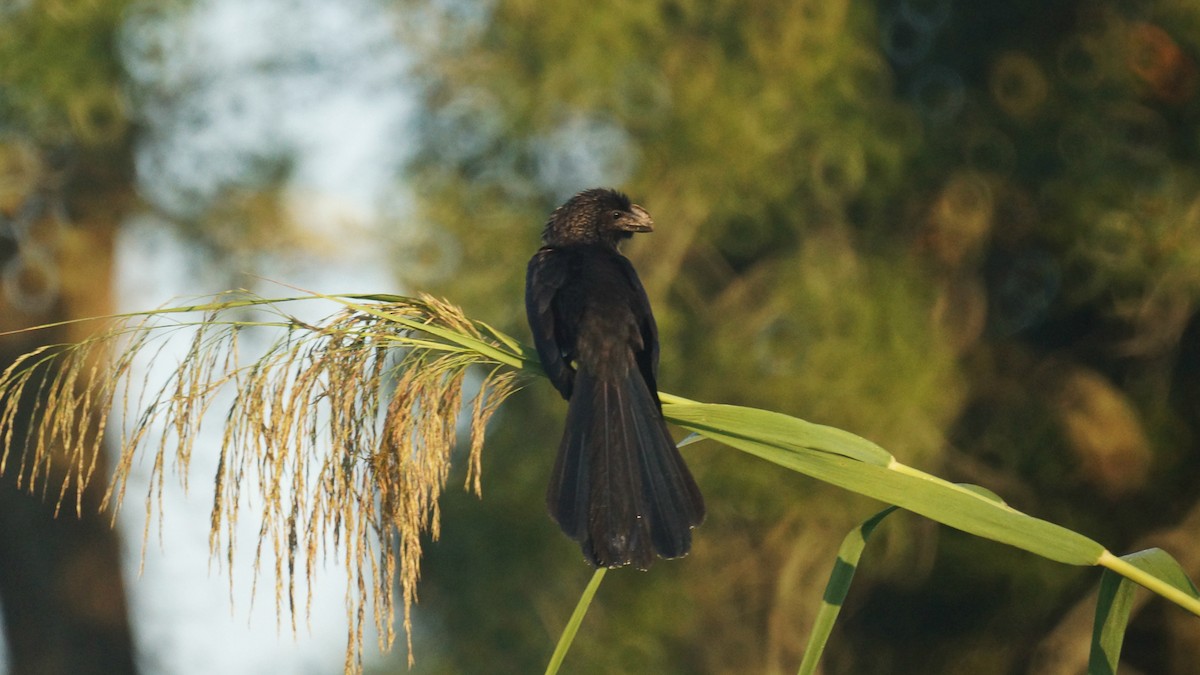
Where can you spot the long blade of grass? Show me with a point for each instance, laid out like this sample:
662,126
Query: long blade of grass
568,634
235,300
838,588
842,575
781,430
823,457
1113,605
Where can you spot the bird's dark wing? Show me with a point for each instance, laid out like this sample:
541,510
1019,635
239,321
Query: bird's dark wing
647,356
546,275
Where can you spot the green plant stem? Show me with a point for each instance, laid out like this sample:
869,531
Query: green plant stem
455,337
1150,581
848,557
568,634
822,627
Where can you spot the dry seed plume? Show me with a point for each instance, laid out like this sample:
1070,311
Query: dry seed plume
343,430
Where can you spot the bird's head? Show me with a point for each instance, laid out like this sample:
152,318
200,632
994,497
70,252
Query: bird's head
596,216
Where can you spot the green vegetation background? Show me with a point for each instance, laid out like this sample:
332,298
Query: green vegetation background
966,231
969,232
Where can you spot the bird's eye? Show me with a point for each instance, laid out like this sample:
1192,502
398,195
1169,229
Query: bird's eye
616,215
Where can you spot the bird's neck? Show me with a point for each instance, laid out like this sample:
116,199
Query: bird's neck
604,241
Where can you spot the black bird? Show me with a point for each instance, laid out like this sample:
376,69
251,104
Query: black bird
620,487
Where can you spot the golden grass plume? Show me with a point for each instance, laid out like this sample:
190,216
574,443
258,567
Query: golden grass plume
342,429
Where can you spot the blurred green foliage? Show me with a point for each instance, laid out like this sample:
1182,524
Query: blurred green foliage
59,79
966,231
65,155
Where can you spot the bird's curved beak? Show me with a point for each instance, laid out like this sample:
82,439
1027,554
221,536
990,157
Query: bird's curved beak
638,220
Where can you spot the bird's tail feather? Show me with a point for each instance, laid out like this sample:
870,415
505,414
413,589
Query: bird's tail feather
620,487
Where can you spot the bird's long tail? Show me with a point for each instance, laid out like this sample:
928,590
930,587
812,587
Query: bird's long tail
620,487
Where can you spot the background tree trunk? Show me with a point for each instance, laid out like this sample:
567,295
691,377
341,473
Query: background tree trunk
61,584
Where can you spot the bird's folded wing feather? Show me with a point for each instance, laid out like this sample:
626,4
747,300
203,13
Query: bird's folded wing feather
546,275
